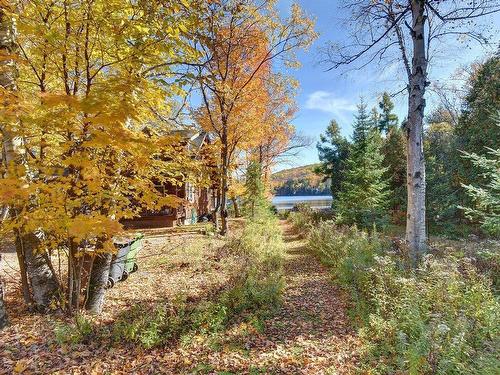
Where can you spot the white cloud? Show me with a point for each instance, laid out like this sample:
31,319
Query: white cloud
328,102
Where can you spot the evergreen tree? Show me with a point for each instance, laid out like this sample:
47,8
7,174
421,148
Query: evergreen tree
375,118
387,119
394,151
363,195
486,199
363,125
254,188
333,151
476,128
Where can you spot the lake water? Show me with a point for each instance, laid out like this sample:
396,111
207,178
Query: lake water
315,201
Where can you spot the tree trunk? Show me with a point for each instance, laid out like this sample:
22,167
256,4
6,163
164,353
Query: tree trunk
415,221
3,313
224,180
236,207
44,284
223,203
215,217
98,281
74,284
24,274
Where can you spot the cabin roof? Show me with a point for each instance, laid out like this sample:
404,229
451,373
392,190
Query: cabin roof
194,138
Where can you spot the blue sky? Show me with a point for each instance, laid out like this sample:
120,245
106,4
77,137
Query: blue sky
325,95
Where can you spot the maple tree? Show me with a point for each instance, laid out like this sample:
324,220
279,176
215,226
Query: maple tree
240,40
90,73
7,87
278,138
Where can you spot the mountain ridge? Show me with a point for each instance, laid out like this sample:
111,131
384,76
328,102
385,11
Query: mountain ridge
300,180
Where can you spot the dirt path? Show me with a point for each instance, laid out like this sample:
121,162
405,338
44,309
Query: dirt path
310,333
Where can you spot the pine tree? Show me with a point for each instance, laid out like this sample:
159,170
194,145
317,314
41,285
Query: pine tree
387,119
363,195
394,150
254,186
333,151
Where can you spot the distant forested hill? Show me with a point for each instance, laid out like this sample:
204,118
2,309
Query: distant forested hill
300,181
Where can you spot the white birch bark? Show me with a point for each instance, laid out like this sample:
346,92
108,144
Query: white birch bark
42,280
415,222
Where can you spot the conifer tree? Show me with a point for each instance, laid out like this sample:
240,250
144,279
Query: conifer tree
375,117
394,150
333,149
476,128
363,195
254,188
387,119
363,125
485,199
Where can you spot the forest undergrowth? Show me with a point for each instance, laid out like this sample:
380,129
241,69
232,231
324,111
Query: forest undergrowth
441,317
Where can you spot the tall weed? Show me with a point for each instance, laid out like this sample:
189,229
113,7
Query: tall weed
439,319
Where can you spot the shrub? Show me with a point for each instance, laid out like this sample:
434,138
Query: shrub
81,331
349,253
261,282
303,217
442,318
283,215
488,262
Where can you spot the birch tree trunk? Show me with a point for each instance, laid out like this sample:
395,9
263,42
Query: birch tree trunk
97,283
44,285
43,281
415,221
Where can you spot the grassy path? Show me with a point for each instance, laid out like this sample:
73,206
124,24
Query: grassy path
311,329
308,334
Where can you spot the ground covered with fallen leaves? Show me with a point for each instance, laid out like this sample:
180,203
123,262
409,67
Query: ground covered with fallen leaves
309,333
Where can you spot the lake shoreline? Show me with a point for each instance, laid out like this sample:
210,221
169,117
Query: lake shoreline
288,202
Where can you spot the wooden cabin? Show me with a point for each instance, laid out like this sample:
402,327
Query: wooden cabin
198,202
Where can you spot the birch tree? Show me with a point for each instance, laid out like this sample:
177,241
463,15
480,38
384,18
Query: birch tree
410,31
37,277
